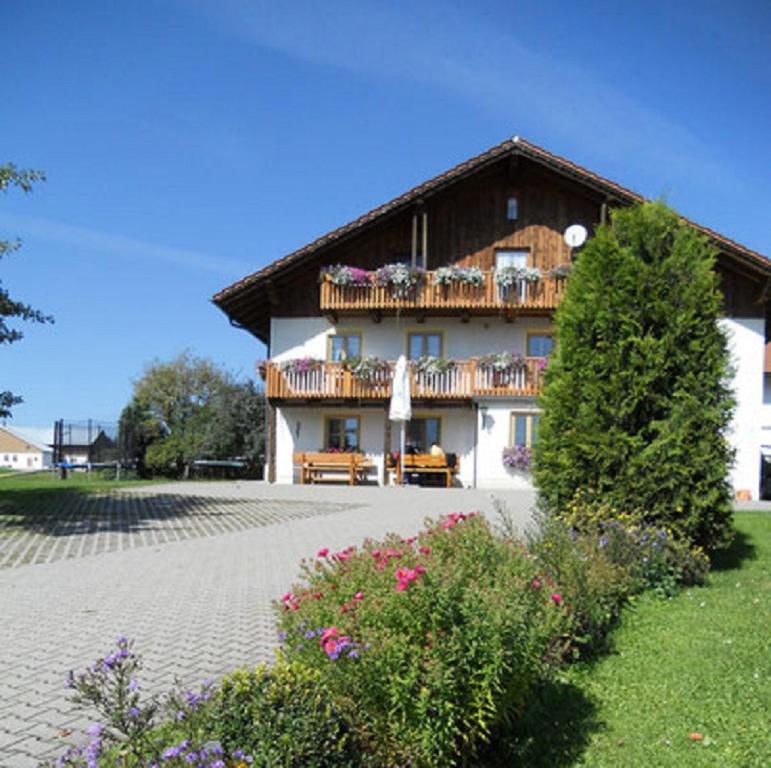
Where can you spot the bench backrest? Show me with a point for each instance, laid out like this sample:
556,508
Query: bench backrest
412,461
343,459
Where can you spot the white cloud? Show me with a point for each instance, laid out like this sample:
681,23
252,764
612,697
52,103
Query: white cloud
120,245
472,60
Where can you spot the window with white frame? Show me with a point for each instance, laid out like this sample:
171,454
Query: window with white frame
513,257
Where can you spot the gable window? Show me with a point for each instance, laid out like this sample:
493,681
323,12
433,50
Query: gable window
424,344
512,209
517,257
342,433
425,432
344,346
524,429
539,344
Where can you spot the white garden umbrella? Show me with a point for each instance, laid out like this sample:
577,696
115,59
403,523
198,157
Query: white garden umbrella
401,403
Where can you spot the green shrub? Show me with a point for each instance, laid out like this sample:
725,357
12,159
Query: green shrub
636,401
281,716
654,557
593,586
434,640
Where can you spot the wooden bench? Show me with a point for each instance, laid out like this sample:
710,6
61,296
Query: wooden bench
425,463
331,467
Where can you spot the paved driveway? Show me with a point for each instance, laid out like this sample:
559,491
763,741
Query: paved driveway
187,570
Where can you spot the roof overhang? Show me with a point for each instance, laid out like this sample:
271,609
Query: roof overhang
248,301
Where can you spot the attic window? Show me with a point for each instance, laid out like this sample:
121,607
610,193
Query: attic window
512,209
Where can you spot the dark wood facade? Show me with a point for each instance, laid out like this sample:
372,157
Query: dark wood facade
466,215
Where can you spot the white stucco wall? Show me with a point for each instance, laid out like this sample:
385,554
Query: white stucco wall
307,336
747,344
27,461
494,435
302,429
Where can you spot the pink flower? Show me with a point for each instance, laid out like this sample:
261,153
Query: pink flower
376,553
323,552
286,598
329,633
401,586
556,598
535,583
358,596
420,569
424,550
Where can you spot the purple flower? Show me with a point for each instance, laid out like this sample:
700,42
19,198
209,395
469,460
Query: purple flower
94,730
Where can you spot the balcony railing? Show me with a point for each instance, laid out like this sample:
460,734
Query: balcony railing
463,381
539,297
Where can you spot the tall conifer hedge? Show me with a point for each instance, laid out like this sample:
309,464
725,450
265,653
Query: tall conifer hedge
637,400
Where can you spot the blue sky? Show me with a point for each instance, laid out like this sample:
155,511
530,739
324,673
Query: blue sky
189,142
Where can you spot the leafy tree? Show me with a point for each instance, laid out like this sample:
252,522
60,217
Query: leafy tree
189,409
10,176
637,401
237,427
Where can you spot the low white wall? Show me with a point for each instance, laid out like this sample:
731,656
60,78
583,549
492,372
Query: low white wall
747,345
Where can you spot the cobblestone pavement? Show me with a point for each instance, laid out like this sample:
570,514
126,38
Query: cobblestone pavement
191,581
90,525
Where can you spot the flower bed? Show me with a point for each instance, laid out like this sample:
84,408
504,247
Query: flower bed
411,651
436,639
507,277
367,369
518,457
401,279
561,271
301,365
346,276
503,362
432,366
453,275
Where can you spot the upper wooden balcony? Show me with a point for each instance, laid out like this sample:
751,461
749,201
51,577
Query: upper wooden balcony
465,380
523,298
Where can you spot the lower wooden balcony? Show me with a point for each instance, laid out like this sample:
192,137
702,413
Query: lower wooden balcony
522,298
465,380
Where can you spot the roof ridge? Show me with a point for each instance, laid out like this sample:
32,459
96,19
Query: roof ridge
514,143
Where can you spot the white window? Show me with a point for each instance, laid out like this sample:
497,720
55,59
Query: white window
511,258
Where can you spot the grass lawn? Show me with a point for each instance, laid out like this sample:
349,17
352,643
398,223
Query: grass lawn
699,663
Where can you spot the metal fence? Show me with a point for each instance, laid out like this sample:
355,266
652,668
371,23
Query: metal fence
90,442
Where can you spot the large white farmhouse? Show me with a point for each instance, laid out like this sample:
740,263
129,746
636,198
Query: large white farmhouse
476,323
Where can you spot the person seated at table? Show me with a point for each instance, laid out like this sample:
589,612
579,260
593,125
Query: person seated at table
436,450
